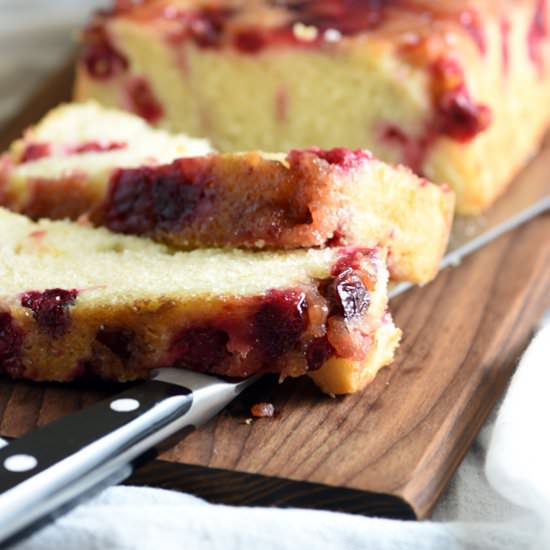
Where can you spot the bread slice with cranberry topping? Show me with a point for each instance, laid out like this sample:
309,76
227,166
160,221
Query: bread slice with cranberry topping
457,89
307,198
60,165
78,301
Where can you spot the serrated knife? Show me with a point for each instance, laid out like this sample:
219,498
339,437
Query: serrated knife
45,473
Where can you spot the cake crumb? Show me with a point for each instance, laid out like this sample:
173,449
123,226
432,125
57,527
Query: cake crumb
262,410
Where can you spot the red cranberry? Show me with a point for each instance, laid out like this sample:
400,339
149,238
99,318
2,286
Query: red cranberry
118,341
173,200
351,258
143,199
207,26
200,348
50,308
101,59
338,238
95,147
250,41
457,115
142,100
35,151
129,205
11,340
538,32
280,322
347,16
348,295
318,352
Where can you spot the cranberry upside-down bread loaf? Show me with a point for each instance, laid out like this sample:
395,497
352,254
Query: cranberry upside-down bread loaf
78,301
79,162
458,90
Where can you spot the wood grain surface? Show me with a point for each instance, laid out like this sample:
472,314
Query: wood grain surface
390,450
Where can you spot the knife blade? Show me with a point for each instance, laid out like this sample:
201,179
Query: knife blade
49,471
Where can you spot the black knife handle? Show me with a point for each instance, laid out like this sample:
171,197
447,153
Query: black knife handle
52,468
59,440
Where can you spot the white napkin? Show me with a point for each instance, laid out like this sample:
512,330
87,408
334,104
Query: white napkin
507,505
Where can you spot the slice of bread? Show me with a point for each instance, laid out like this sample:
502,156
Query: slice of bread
62,163
307,198
77,300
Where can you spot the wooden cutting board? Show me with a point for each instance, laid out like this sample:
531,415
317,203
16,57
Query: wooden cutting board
389,450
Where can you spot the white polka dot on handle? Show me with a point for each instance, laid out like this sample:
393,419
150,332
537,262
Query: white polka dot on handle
124,405
20,463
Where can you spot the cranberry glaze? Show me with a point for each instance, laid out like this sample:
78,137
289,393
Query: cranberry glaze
144,199
51,308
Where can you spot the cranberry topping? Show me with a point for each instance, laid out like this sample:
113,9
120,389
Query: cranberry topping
538,32
340,156
207,25
118,341
204,26
11,340
143,199
200,348
318,352
35,151
347,16
50,308
101,59
142,100
280,322
254,40
457,116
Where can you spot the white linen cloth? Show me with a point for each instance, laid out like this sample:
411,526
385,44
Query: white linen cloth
499,498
